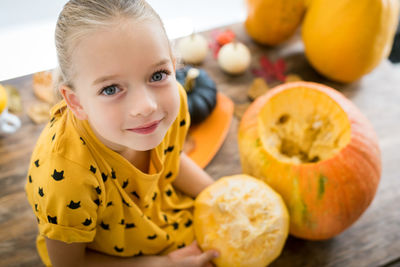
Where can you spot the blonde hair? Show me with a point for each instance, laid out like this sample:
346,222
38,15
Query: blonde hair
80,17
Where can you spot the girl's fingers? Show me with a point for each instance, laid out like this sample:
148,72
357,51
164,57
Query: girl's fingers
191,250
206,257
194,246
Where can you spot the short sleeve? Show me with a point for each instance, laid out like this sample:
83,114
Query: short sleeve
184,116
65,197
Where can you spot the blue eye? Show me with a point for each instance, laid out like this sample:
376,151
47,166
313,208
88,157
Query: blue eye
159,75
110,90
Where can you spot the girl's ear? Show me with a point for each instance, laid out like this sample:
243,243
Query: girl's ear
73,102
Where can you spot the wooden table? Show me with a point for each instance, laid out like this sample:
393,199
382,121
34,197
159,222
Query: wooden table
374,240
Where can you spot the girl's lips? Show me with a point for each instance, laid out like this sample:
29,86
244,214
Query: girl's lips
146,128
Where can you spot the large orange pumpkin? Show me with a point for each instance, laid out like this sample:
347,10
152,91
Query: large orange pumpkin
271,22
317,150
345,39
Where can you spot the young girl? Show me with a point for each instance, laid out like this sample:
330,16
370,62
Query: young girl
108,181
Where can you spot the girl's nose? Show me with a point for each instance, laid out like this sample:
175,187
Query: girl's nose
143,103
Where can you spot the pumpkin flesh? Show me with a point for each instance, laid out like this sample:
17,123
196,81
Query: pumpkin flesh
309,130
244,219
316,149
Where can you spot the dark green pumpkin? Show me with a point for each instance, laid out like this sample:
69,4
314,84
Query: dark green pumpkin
201,91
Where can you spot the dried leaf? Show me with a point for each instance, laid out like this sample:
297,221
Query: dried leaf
240,109
225,37
43,86
293,78
14,99
267,66
257,88
271,71
279,70
39,112
215,47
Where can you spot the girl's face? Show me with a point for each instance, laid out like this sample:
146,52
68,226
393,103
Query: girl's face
125,85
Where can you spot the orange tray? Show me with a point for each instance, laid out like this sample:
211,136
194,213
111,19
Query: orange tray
209,135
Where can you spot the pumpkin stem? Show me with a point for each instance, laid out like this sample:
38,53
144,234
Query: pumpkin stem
235,43
190,80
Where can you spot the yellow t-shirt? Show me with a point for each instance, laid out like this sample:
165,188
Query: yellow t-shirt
81,191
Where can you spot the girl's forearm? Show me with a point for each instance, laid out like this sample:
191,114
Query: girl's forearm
191,178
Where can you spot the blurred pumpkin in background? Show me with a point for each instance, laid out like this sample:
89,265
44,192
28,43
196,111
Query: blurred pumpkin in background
3,98
193,48
201,92
317,150
234,58
345,39
272,22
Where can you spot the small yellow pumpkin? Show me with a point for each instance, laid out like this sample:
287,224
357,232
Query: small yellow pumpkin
3,98
271,22
346,39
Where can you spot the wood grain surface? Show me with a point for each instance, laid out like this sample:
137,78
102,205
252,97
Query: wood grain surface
374,240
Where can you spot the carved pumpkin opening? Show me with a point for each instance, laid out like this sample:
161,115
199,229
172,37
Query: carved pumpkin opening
303,126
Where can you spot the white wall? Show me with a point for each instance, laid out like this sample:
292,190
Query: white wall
27,28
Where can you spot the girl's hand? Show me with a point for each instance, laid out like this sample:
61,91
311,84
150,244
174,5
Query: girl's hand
192,256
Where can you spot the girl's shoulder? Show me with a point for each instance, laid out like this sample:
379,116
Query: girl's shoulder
61,144
62,171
